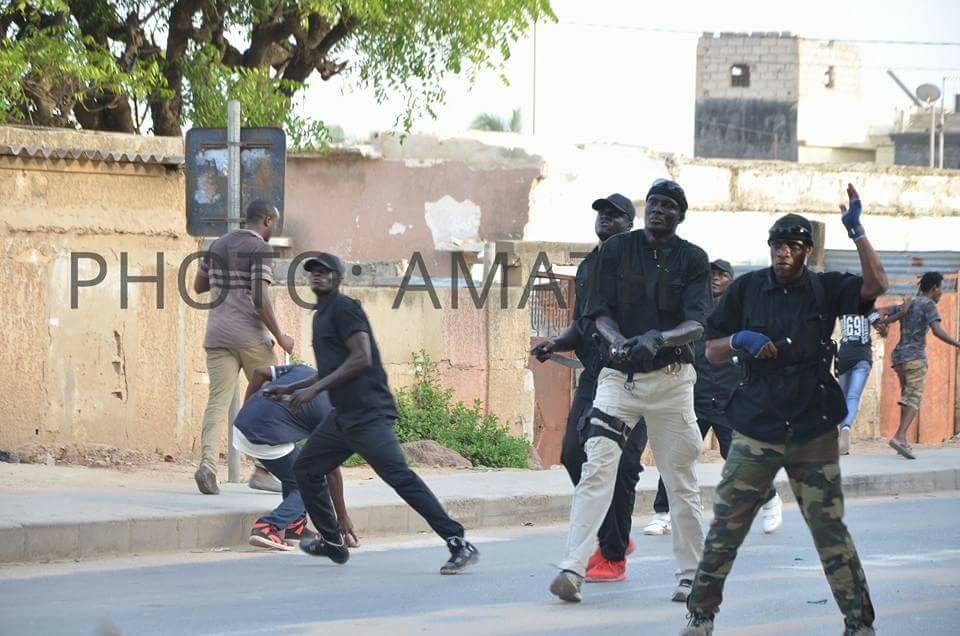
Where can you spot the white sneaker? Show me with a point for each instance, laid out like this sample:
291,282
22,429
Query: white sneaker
659,525
772,514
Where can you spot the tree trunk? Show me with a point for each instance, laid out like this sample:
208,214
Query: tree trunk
109,112
166,117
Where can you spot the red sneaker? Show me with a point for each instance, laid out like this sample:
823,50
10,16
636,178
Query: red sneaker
607,572
597,556
594,560
266,535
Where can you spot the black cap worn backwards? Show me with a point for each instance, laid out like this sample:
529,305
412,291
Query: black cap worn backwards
326,261
618,202
792,227
671,190
722,265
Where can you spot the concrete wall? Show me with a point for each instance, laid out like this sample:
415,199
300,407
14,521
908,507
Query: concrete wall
830,115
913,149
833,154
758,121
733,203
382,204
97,373
135,377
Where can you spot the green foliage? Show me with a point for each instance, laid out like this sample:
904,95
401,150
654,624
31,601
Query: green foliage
427,411
47,69
265,100
175,61
494,123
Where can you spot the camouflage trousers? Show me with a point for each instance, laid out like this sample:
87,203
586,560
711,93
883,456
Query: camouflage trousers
814,471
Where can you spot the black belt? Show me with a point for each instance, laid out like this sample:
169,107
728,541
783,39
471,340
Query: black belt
648,366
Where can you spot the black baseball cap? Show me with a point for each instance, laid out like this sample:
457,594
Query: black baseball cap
324,260
618,202
722,265
792,227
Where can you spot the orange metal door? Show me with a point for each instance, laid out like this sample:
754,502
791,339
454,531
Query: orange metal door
937,419
552,382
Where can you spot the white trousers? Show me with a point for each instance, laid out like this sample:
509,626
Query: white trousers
665,399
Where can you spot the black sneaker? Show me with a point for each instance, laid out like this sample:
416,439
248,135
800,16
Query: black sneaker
463,554
339,554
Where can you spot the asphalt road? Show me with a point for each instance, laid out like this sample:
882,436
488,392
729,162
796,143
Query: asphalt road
910,548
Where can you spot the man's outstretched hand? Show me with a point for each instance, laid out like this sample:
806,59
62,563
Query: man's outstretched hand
544,349
851,215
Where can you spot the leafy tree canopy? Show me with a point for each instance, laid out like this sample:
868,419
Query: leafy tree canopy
132,65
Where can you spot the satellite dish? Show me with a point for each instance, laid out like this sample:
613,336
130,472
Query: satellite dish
928,93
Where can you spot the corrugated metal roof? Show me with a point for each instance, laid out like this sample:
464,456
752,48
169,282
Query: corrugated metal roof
903,268
39,152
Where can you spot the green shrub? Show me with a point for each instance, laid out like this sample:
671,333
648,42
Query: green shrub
427,411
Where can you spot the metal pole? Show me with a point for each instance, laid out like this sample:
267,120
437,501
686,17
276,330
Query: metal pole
533,117
933,133
943,120
233,223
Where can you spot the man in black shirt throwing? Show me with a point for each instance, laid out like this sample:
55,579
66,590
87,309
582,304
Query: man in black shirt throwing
785,414
350,370
648,295
615,215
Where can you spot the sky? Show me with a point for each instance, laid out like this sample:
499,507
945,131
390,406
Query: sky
624,71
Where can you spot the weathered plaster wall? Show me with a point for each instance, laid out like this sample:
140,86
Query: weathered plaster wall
136,377
385,203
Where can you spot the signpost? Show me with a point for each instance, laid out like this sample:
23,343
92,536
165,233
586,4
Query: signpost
225,169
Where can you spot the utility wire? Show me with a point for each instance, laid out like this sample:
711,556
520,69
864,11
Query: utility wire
628,27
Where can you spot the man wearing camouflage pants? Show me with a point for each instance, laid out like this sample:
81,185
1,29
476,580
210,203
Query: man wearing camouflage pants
785,413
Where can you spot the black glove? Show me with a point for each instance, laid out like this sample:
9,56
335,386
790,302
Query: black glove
642,348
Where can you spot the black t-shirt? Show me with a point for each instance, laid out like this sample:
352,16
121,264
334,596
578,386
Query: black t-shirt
715,384
643,287
855,340
266,421
366,397
794,391
587,351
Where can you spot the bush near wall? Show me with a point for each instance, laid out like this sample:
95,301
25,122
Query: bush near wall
427,411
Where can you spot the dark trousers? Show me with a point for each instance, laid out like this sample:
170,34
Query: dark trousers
291,508
331,444
724,436
614,533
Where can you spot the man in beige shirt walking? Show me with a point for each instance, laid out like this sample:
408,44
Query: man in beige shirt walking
241,327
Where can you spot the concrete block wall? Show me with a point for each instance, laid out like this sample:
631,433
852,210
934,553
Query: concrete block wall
747,122
772,59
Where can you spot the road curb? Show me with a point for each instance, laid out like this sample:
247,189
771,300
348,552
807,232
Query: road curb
41,543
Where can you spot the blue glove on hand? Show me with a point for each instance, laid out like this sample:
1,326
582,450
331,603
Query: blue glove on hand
851,218
749,341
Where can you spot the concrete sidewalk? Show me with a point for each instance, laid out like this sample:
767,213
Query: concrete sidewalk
120,513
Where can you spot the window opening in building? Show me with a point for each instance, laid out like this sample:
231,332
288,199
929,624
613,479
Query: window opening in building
740,75
829,78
